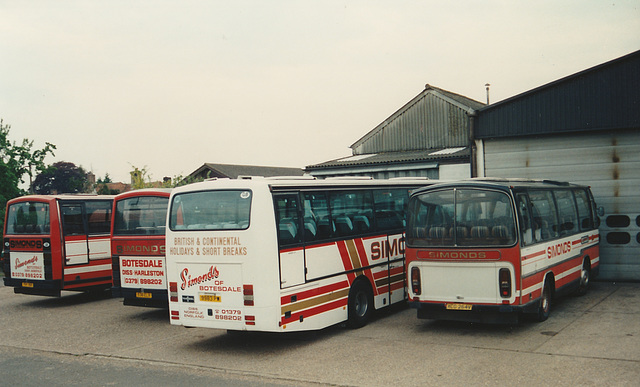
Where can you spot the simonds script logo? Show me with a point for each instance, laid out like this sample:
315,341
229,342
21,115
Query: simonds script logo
188,281
27,262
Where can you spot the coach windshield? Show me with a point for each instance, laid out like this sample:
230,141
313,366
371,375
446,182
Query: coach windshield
461,217
143,215
28,218
211,210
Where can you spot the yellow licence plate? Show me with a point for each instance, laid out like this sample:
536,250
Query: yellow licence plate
27,285
143,295
209,298
458,306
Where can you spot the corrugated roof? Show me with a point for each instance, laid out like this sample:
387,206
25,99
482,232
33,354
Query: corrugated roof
472,103
209,170
603,97
394,158
412,119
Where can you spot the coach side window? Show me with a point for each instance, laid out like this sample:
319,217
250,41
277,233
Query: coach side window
73,219
526,231
316,218
584,210
287,219
544,216
391,208
351,212
566,212
99,216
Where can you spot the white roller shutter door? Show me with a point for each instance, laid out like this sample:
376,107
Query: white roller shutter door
609,162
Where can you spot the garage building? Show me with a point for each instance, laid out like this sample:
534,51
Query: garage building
584,128
427,137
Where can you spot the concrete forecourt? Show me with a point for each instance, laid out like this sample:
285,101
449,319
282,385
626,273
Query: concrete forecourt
80,339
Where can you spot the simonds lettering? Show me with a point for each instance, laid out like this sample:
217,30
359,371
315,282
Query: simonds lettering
187,281
27,262
25,243
386,250
154,249
559,249
457,255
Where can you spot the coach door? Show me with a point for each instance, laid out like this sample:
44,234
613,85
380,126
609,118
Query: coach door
74,231
98,215
292,262
390,214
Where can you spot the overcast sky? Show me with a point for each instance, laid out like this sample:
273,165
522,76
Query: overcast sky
170,85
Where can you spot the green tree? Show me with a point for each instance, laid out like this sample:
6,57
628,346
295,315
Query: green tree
22,159
105,180
16,161
103,189
140,178
61,177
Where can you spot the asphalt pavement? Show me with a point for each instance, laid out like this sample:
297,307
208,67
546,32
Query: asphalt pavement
589,340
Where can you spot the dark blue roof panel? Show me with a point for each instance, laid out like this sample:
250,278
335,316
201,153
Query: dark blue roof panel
603,97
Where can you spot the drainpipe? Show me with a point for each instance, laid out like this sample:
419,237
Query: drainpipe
472,144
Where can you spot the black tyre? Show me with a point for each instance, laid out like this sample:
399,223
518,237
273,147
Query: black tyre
545,302
585,279
360,306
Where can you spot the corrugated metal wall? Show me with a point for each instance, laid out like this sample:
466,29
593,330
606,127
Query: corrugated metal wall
604,97
609,162
430,122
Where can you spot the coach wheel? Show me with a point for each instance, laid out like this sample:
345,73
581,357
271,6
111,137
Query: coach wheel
360,304
545,302
585,278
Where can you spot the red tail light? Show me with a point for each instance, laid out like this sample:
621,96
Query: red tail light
175,315
416,283
173,291
250,320
504,279
247,291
